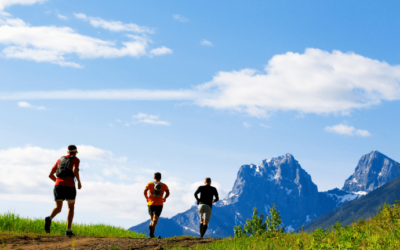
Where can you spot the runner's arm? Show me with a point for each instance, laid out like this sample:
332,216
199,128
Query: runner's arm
76,173
51,175
145,193
166,195
196,193
216,196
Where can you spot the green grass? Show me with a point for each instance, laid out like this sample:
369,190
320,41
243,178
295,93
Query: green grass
11,223
380,232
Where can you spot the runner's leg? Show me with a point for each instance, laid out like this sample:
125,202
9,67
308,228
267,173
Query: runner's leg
204,227
206,218
154,221
57,209
201,225
71,210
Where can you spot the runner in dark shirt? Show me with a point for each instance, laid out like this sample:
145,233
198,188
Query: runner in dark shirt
207,193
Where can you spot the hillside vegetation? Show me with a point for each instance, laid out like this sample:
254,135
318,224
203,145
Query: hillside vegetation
11,223
379,232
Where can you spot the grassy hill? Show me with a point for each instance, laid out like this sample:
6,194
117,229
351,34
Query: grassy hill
12,223
364,207
380,232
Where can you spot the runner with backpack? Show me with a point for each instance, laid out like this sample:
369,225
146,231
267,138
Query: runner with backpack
155,200
207,193
66,169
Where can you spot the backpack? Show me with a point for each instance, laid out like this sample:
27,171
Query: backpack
157,189
64,169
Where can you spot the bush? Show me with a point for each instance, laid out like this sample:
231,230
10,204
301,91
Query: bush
256,227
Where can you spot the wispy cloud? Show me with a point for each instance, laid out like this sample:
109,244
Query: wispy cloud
107,94
149,119
28,105
160,51
343,129
206,43
316,82
264,126
115,26
7,3
246,125
180,18
53,44
61,16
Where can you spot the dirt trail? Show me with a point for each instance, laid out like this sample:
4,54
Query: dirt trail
63,242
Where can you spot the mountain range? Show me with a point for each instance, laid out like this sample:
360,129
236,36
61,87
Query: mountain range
363,208
281,181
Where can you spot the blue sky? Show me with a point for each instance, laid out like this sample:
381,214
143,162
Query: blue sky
191,90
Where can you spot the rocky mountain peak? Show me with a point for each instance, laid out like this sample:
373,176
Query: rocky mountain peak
372,171
281,175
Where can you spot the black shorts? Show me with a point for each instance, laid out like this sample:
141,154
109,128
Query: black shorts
64,193
155,210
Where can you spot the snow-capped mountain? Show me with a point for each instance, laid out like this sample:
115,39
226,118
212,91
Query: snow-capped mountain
279,180
373,170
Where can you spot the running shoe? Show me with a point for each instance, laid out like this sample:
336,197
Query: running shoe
151,232
69,234
47,224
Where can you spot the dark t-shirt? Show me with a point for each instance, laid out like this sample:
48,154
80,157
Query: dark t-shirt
207,194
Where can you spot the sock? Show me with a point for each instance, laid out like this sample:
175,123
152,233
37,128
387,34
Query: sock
201,228
204,230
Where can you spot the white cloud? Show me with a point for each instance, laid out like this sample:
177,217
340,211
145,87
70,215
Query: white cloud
115,26
7,3
109,187
54,44
315,82
160,51
149,119
246,125
206,43
180,18
343,129
28,105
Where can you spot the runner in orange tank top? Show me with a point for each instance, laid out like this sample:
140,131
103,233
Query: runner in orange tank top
154,193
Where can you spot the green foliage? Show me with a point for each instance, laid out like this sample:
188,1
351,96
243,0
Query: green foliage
379,232
12,223
256,225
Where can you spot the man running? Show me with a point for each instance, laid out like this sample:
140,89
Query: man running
207,193
66,169
155,200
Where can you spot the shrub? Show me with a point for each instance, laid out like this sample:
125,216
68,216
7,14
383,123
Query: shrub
256,226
